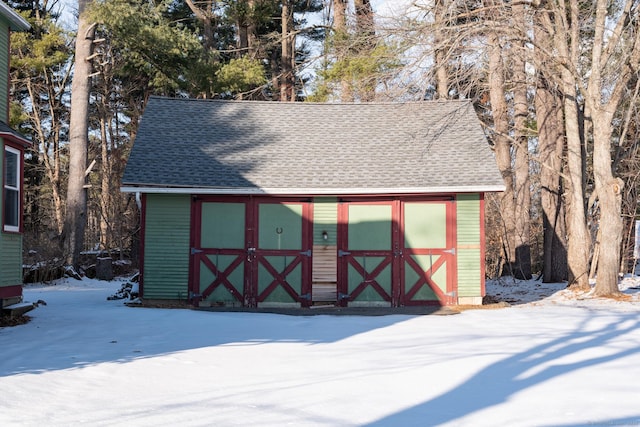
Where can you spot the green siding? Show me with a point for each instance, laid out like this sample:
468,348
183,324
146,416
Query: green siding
10,259
325,218
369,264
4,69
2,190
425,225
280,226
469,251
369,227
223,225
166,246
10,245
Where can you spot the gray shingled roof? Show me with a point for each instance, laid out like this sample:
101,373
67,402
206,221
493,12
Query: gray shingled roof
7,132
16,21
245,147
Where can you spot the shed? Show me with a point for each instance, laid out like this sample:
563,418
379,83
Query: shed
267,204
12,146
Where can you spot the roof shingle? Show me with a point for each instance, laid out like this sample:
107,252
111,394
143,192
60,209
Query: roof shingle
248,147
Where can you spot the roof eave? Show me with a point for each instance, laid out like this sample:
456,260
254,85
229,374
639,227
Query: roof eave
489,188
16,139
16,21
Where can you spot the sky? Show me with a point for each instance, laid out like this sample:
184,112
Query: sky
552,358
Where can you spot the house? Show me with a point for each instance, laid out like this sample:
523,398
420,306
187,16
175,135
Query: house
267,204
12,145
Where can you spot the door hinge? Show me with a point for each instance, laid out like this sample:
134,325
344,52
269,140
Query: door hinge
306,253
306,296
343,296
196,251
343,253
451,251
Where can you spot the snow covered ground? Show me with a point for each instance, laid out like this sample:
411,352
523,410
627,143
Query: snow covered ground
551,359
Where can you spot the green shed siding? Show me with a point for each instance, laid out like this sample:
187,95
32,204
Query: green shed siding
1,193
166,250
10,259
325,218
469,241
4,69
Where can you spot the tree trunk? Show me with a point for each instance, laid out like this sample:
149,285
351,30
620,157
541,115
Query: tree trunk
340,41
609,190
365,33
578,238
206,16
522,267
287,81
567,43
502,143
550,149
339,15
246,30
105,187
76,215
440,51
549,118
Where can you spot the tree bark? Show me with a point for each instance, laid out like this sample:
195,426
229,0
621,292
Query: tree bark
206,16
105,187
247,30
567,44
550,150
365,33
287,79
340,43
609,191
522,267
502,143
440,51
551,144
76,215
607,187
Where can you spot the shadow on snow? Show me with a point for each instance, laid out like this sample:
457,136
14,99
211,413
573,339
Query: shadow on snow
501,380
80,337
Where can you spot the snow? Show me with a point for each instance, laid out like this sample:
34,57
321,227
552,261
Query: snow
553,358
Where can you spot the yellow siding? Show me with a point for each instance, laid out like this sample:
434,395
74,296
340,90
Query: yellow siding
469,250
325,218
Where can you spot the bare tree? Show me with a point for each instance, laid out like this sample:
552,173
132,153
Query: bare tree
615,59
441,48
501,140
76,215
522,190
562,24
551,145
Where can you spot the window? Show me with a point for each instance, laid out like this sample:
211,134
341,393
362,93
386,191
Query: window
11,194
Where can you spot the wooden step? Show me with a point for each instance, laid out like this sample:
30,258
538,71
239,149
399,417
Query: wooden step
324,291
17,310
